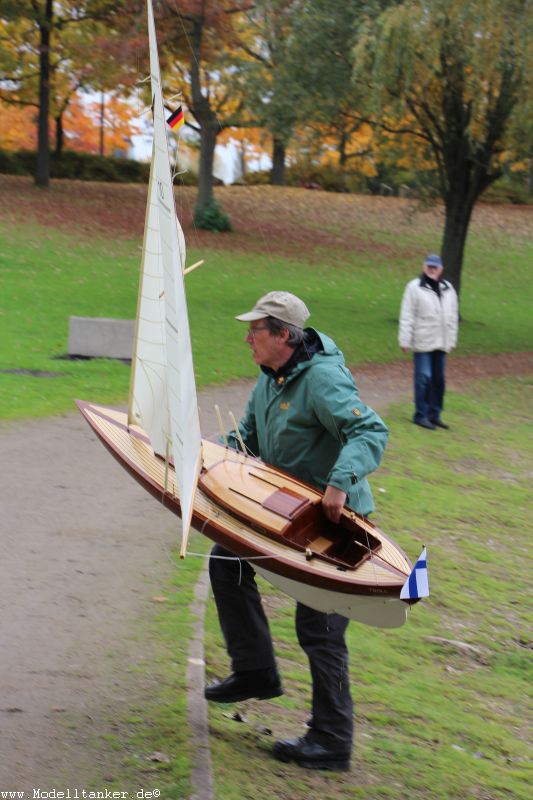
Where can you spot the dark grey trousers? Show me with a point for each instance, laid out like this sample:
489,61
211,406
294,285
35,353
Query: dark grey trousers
321,636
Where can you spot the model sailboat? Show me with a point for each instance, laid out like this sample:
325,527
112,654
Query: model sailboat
259,513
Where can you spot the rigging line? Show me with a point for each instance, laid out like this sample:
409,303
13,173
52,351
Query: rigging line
230,558
377,555
373,566
365,529
210,556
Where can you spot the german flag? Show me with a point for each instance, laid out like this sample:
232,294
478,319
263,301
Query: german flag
176,119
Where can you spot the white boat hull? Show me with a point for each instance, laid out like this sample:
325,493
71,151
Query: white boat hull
379,612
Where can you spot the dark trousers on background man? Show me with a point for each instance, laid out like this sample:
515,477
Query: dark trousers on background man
429,385
321,636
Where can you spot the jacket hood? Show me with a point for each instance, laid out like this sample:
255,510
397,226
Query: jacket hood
327,350
317,347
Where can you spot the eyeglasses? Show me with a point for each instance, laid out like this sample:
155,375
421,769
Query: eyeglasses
252,331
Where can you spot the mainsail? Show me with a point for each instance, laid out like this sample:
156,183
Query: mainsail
163,390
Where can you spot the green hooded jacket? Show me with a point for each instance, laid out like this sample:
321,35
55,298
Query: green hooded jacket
312,424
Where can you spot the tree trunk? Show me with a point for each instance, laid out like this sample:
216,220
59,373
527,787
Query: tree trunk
60,134
458,215
343,158
277,174
101,147
467,179
42,172
242,160
207,119
208,140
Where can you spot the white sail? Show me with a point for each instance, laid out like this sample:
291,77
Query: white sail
163,392
148,405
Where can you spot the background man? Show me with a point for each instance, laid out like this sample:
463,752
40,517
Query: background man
304,416
428,327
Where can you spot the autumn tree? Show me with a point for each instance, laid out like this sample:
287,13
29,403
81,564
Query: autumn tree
457,74
299,79
200,38
96,57
84,136
32,54
322,58
266,76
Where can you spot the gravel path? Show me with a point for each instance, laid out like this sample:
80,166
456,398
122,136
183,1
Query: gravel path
83,552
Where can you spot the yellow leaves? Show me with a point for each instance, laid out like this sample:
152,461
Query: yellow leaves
17,127
520,166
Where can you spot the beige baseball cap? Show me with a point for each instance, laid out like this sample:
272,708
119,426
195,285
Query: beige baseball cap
281,305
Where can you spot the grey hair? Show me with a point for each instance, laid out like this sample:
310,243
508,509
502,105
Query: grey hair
275,326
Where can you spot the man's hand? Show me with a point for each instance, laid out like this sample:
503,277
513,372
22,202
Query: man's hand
333,502
405,349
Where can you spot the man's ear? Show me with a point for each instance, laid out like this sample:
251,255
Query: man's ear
284,334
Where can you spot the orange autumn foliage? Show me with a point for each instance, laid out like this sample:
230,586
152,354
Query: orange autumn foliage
81,124
18,127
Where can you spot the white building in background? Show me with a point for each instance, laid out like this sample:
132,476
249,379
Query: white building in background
226,163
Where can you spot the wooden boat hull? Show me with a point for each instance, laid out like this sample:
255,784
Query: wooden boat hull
368,592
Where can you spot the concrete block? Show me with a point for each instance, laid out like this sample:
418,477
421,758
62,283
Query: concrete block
98,337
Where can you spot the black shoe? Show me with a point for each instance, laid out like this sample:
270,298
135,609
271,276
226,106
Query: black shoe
425,423
311,755
438,423
262,684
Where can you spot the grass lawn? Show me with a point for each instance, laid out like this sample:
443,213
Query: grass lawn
441,703
348,257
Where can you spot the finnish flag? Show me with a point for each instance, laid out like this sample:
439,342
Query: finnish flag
417,585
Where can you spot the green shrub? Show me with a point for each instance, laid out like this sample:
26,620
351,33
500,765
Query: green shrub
211,218
260,177
509,189
89,167
11,164
328,178
27,160
312,176
77,166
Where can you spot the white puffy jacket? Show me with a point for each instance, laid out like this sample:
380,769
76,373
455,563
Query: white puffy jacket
428,322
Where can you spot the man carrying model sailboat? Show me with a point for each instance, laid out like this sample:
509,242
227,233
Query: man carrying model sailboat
304,416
